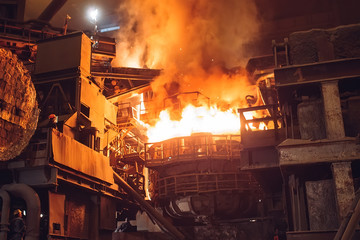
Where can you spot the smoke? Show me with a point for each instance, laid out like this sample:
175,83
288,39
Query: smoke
193,41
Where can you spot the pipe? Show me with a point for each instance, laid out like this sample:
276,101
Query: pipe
32,206
173,231
5,211
51,10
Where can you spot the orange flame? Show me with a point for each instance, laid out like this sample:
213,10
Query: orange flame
195,42
194,120
203,120
249,116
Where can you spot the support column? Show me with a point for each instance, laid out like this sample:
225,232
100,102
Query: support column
344,187
332,110
297,204
94,218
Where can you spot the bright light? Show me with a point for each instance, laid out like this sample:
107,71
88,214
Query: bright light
93,14
109,29
194,120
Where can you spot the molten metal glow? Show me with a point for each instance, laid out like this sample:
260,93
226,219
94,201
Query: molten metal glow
194,42
203,120
195,120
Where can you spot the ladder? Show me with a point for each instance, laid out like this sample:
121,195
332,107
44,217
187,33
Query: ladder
278,48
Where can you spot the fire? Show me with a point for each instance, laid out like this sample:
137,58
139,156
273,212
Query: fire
203,120
199,45
195,120
262,125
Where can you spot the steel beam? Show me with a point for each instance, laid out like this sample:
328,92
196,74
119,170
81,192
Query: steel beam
123,76
346,225
332,110
343,186
317,72
51,10
297,151
165,224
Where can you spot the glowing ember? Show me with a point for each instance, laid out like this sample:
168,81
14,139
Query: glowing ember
194,120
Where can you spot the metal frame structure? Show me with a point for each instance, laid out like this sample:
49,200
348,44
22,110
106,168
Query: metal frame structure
200,183
192,148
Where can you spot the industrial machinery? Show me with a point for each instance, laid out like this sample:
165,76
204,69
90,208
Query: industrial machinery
75,157
64,181
296,179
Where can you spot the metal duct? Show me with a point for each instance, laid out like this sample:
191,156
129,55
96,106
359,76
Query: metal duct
32,206
5,211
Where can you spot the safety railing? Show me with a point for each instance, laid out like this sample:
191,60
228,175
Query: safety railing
204,146
26,32
252,138
126,112
205,183
39,148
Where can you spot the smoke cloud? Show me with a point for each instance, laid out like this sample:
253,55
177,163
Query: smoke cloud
195,42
